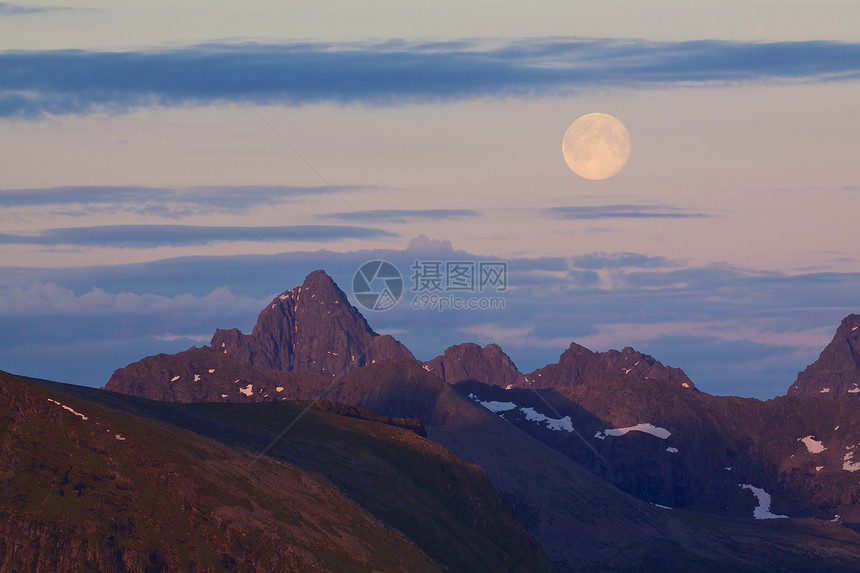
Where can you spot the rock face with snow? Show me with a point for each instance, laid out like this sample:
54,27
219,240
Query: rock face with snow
837,371
310,329
669,446
468,361
579,365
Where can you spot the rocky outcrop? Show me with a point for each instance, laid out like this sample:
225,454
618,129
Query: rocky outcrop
837,371
579,365
310,329
468,361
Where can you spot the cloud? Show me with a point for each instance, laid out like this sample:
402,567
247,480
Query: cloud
9,9
403,215
519,337
199,338
150,236
50,298
770,332
162,201
395,72
621,260
592,212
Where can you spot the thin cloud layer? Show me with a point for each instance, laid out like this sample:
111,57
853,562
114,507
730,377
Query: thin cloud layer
594,212
162,201
10,9
403,215
621,261
150,236
35,83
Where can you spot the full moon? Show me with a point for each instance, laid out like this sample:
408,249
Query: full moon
596,146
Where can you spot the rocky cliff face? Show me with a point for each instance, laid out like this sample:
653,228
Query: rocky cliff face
469,361
837,371
310,329
579,365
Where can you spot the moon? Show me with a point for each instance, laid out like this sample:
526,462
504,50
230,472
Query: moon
596,146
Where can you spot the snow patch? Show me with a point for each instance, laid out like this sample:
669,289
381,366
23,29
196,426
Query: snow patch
69,409
236,381
672,450
211,371
854,390
223,395
557,424
174,379
247,390
661,506
824,391
762,510
814,446
509,386
119,437
197,378
661,433
819,468
279,389
848,463
532,415
855,328
685,385
494,407
427,367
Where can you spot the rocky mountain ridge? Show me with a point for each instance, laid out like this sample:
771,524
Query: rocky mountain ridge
627,418
836,373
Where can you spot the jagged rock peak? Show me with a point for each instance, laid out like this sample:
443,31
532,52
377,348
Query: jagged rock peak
579,365
837,371
310,329
468,361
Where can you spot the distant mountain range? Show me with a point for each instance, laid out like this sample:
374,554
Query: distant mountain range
603,461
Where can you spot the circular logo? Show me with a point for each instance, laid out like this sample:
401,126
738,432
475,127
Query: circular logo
377,285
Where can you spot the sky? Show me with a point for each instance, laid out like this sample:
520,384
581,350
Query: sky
167,168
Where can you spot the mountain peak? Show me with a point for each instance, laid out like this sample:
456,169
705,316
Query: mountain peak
468,361
319,279
310,329
579,365
837,370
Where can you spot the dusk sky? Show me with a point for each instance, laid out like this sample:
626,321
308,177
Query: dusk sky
167,168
